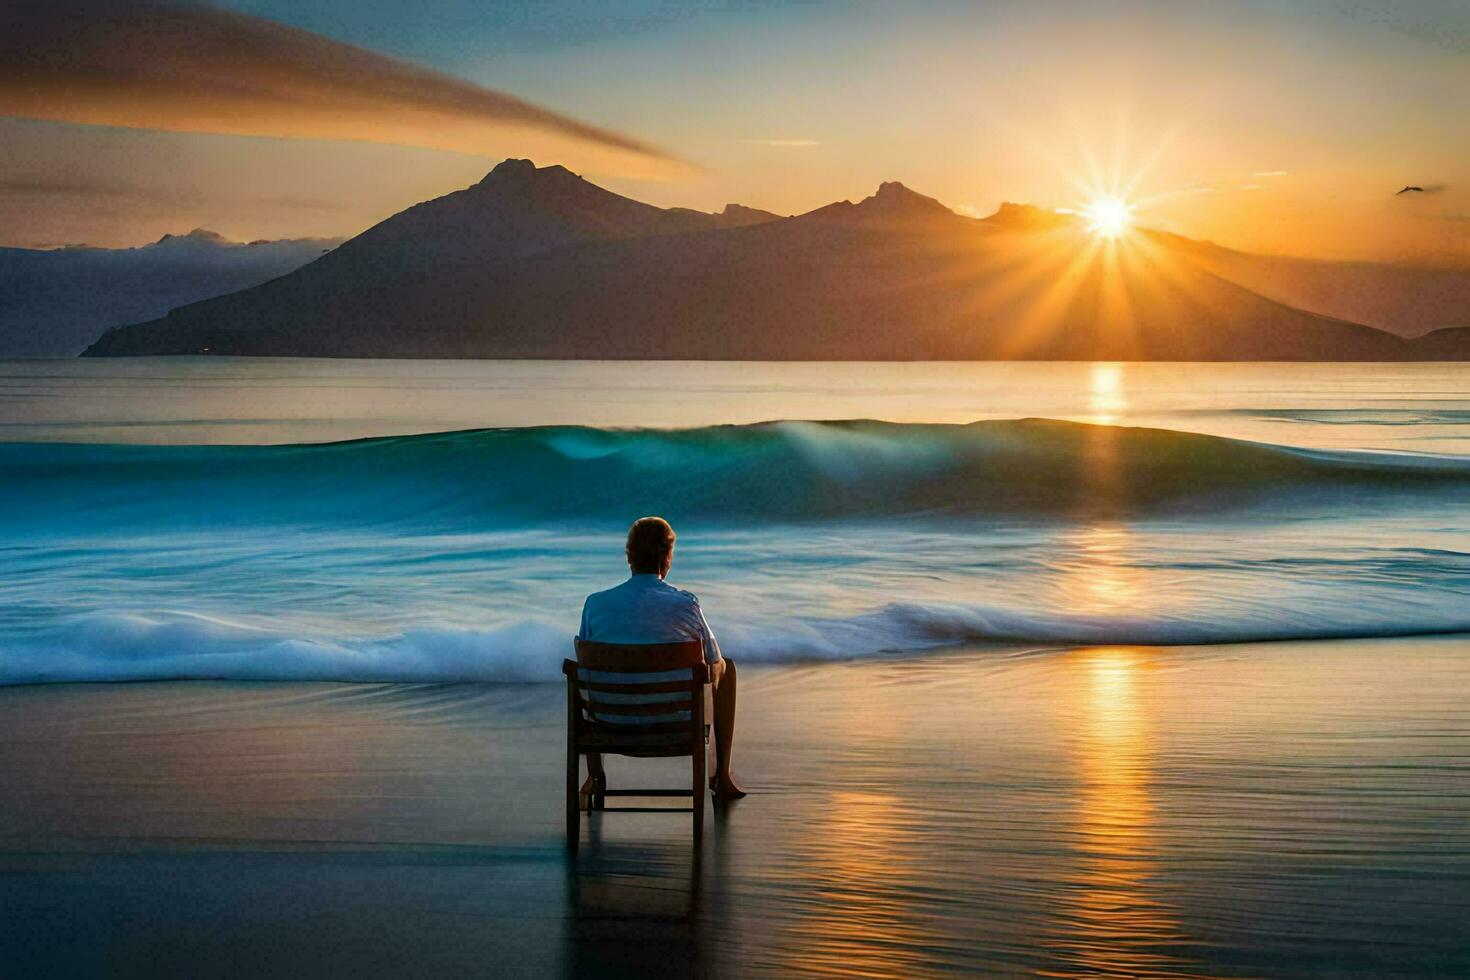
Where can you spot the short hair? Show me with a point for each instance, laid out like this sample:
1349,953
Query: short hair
650,543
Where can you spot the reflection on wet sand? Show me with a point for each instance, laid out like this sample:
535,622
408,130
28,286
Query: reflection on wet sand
851,865
863,910
1108,811
1113,920
632,903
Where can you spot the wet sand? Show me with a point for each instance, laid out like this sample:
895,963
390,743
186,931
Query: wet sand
1268,809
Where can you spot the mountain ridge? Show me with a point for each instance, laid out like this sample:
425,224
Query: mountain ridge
1406,299
538,262
55,302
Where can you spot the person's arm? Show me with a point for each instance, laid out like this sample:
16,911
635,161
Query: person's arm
711,645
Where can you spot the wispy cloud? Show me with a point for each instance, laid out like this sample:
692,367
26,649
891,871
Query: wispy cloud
1226,184
185,68
118,191
46,186
787,143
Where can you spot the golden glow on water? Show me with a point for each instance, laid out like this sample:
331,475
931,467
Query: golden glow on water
856,857
1101,580
866,915
1106,400
1113,920
1115,756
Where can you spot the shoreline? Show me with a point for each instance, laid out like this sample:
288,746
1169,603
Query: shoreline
999,647
1220,809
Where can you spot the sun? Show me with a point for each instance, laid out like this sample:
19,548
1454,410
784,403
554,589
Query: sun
1108,217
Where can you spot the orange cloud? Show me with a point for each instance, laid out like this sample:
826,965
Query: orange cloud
184,68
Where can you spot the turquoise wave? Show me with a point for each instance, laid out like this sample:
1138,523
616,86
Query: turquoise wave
783,471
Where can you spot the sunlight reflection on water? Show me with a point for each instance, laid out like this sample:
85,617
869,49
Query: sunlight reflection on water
1105,393
1114,922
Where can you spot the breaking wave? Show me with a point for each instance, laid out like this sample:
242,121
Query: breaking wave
774,471
114,647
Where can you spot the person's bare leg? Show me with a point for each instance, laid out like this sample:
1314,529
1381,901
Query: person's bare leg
596,778
724,782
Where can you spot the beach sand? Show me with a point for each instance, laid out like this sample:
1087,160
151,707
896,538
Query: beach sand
1267,809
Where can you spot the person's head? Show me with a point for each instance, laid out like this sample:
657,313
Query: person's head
650,547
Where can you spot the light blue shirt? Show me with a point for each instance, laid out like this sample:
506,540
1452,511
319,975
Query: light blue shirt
646,609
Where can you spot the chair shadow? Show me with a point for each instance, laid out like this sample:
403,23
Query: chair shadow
647,906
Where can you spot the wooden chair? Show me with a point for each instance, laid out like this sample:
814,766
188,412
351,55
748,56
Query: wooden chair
617,704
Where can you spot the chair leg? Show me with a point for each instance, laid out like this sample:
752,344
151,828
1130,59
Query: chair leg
574,808
700,791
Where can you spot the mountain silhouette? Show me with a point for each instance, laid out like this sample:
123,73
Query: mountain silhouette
1028,218
54,302
892,204
1410,300
537,262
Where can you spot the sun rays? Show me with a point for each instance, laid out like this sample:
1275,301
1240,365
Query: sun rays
1108,217
1094,282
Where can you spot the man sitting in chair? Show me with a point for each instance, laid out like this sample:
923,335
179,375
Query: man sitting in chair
646,609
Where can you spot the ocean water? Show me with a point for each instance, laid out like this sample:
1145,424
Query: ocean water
433,521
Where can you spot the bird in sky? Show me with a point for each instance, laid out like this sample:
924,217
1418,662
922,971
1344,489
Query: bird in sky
1410,188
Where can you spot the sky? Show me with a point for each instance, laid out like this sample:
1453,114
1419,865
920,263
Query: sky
1272,127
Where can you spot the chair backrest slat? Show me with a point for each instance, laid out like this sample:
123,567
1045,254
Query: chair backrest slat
611,688
643,658
653,687
639,727
629,709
